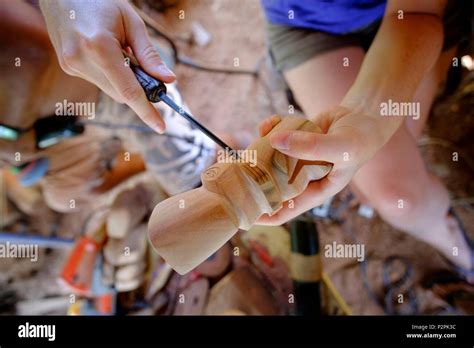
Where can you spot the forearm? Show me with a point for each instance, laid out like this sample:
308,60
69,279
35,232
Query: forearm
21,19
402,53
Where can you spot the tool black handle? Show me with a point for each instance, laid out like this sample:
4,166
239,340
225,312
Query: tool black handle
152,87
305,246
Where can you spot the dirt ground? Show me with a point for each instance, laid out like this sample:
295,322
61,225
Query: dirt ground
235,104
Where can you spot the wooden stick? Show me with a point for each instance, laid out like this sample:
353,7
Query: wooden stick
187,228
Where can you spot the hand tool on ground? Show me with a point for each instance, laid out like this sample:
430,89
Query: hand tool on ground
305,267
52,242
77,273
48,130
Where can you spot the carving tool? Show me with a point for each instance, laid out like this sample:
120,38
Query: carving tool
305,267
155,91
77,273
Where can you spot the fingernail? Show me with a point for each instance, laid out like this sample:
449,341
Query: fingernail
275,120
164,70
159,127
262,127
280,141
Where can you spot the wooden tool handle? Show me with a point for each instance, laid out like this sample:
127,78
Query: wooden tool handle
187,228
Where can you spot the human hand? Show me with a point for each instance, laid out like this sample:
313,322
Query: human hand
349,139
88,37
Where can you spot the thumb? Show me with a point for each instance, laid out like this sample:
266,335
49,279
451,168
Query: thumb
144,51
311,146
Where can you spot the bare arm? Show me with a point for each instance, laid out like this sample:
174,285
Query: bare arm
89,36
407,45
402,53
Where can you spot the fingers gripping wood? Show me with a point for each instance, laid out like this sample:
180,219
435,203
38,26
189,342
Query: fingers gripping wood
187,228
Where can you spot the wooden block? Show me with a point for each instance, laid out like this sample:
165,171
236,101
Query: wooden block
160,278
192,300
94,226
130,272
8,215
241,290
127,211
25,198
129,285
155,192
130,249
233,312
187,228
121,170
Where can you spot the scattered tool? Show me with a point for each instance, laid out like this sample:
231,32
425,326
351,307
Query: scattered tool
77,274
41,241
48,130
102,299
306,269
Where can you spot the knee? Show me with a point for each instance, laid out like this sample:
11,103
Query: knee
394,202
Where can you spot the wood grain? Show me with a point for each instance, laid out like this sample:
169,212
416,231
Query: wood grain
187,228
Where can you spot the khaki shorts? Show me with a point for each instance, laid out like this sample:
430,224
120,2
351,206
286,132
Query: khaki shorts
292,46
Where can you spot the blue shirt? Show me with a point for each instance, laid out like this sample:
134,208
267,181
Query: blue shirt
331,16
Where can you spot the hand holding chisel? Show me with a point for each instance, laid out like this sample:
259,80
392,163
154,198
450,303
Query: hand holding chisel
155,91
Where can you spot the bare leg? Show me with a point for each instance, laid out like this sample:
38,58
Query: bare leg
395,182
322,82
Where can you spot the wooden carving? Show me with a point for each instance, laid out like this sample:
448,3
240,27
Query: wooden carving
189,227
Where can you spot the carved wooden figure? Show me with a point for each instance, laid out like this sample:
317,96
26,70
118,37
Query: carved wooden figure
187,228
